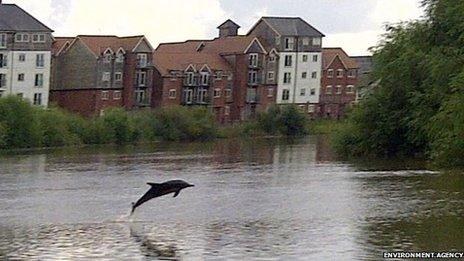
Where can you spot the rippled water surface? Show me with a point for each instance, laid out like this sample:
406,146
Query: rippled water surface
264,199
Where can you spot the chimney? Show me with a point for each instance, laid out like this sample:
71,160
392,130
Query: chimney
228,28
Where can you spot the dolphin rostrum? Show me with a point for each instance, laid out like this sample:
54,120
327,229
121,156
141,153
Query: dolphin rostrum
161,189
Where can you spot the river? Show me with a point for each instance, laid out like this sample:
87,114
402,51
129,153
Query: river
262,199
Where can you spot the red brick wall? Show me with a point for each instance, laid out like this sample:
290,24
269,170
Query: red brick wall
334,105
84,102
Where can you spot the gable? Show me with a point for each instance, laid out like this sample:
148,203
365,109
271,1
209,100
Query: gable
255,47
143,47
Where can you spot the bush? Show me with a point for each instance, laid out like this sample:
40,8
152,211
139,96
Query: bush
287,120
56,128
117,126
20,122
3,133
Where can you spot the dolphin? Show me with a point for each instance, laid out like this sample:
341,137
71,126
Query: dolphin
161,189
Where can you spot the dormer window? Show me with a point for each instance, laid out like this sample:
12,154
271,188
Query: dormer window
142,59
289,43
317,41
38,38
120,56
253,60
190,78
305,41
107,56
204,78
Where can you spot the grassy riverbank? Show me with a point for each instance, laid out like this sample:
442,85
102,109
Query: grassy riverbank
26,126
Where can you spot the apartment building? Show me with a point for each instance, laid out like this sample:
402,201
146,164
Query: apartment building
298,46
339,81
226,74
25,55
94,72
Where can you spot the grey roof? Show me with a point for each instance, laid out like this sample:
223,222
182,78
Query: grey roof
292,26
364,62
13,18
227,24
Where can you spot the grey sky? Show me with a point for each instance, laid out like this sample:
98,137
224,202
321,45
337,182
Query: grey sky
351,24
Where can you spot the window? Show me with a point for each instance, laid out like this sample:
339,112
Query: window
3,40
277,40
350,89
315,58
105,95
272,58
118,77
253,77
339,89
330,73
142,59
227,110
37,99
317,41
140,97
172,93
107,58
40,60
20,95
204,78
287,78
218,75
285,95
120,57
38,38
303,92
217,93
253,60
3,60
313,91
314,75
328,89
289,43
270,76
352,73
38,80
304,75
188,96
106,77
190,78
2,80
116,95
22,57
270,92
22,38
340,73
202,95
141,78
305,58
228,92
288,60
21,77
306,41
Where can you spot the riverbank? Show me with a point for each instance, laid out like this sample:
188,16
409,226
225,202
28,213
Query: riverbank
23,126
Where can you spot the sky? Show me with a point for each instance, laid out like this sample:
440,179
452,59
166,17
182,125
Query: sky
354,25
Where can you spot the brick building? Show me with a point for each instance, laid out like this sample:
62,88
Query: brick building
339,79
226,74
93,72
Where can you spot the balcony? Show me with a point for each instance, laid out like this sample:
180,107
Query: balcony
143,64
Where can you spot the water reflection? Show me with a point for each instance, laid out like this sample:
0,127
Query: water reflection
255,199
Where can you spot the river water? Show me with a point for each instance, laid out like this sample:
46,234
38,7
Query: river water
264,199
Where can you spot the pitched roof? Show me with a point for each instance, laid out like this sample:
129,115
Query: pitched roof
228,23
329,54
14,18
291,26
59,43
99,43
177,56
365,63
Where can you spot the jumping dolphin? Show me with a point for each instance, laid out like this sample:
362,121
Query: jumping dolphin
161,189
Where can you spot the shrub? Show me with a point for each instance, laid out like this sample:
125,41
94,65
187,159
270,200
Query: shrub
3,133
287,120
117,125
55,126
20,122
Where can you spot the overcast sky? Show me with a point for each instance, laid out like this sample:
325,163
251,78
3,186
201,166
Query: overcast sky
352,24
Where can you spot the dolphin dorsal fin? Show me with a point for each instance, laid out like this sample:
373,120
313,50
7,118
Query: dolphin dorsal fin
153,184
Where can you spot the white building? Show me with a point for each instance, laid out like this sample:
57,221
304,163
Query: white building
299,47
25,55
